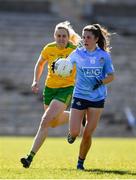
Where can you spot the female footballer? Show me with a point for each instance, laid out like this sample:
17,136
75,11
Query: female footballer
58,91
94,72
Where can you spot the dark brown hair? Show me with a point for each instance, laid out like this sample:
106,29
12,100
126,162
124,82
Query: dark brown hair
102,34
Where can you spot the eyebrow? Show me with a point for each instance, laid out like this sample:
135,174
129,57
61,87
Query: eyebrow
61,34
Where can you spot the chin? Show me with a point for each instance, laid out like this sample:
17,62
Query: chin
86,47
63,45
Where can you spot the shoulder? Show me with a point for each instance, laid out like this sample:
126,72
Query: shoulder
50,45
105,54
77,53
81,51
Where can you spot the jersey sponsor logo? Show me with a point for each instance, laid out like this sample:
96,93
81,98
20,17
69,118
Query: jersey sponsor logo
92,71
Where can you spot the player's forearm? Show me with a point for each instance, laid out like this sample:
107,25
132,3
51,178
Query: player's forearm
37,72
108,79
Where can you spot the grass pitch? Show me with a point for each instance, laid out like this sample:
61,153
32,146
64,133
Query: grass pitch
109,158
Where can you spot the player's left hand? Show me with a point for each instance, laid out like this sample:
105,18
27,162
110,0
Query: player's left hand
98,84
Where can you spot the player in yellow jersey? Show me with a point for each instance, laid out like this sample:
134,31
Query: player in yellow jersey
58,91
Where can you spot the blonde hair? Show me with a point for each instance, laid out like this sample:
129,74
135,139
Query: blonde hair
73,36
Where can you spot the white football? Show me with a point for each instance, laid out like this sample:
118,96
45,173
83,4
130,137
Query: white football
63,67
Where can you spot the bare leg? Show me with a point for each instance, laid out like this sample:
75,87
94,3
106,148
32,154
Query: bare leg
39,138
61,119
76,117
48,120
43,129
93,116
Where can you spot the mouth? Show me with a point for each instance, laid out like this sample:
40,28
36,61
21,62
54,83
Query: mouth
61,42
85,44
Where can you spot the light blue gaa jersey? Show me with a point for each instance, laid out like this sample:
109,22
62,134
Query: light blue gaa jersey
91,65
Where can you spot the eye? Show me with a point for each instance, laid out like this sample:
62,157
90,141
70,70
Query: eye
64,36
88,37
58,35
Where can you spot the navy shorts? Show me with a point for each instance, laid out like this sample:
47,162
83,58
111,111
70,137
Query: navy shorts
82,104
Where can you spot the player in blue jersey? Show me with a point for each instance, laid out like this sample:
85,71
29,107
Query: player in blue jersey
94,71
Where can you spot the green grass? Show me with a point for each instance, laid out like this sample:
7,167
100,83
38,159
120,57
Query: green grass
109,158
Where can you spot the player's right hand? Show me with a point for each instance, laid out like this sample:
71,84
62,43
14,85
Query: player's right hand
35,87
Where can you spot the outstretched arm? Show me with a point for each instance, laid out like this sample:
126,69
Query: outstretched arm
38,70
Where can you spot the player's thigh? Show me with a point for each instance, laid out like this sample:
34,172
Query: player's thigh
75,120
93,116
60,108
54,110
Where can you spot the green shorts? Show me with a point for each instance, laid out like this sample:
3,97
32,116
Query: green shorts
62,94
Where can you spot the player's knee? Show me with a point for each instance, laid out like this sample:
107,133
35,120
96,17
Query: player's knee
53,124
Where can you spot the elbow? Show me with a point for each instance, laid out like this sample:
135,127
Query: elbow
111,78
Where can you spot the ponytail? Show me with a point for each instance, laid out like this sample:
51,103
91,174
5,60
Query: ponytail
102,34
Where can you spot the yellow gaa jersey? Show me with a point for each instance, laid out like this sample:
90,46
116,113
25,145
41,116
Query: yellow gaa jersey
50,53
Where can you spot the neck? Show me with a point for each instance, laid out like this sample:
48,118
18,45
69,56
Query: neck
91,49
62,47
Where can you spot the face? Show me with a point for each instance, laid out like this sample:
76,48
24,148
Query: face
89,40
61,38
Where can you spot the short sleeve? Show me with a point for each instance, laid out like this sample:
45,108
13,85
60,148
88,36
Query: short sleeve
44,53
108,66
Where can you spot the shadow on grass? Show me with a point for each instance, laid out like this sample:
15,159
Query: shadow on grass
116,172
105,171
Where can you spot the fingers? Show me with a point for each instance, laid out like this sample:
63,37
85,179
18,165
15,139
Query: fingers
35,87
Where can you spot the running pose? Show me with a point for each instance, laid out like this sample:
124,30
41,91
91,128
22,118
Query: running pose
58,91
94,71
